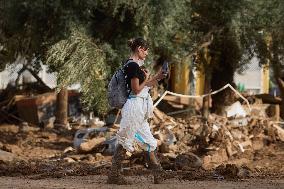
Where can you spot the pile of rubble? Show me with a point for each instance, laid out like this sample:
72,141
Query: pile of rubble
214,141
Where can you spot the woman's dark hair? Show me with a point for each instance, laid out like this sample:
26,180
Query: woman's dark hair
133,44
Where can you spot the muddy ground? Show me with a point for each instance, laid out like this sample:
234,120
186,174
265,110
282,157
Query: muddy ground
97,181
39,162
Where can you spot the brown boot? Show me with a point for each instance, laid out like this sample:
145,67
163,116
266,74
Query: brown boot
156,168
115,176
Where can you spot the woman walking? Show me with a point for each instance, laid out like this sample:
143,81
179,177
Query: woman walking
135,112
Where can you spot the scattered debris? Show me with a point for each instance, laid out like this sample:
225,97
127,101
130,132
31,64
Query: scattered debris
236,110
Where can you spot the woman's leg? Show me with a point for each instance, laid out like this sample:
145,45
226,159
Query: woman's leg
145,137
132,117
115,176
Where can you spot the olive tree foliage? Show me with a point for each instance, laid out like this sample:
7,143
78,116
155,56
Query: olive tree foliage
164,24
220,21
79,60
267,38
29,27
218,24
39,29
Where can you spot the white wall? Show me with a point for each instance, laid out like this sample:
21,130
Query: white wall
251,77
10,74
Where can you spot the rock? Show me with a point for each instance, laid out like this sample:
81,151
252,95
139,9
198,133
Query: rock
69,160
273,111
49,123
280,132
166,161
78,157
232,171
219,156
14,149
229,149
159,114
228,171
90,158
164,148
244,172
27,129
99,157
179,134
23,124
9,129
187,161
7,156
68,149
91,144
245,145
195,126
257,143
237,134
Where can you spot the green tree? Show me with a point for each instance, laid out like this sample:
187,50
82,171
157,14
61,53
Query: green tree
79,60
267,38
218,23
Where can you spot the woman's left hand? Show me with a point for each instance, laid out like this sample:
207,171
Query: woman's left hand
146,73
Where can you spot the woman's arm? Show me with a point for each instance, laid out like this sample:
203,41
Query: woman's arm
151,82
135,87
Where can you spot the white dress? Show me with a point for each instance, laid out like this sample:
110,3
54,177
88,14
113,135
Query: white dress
134,125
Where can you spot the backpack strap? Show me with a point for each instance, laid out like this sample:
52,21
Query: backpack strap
127,62
123,67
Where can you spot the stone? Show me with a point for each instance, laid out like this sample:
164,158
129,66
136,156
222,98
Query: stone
164,148
68,149
219,156
69,160
91,144
228,171
7,156
257,143
187,161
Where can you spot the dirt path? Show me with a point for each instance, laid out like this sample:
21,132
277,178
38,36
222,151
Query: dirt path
140,182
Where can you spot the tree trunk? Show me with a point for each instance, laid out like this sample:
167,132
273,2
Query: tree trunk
274,61
62,108
280,83
207,83
206,100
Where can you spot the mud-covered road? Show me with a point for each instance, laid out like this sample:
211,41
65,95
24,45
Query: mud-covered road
97,181
34,158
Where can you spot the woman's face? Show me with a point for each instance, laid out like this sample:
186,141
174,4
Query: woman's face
142,53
